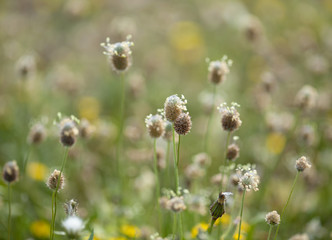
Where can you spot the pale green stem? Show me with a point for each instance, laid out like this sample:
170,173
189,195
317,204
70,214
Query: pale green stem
9,210
213,220
26,159
57,188
207,132
268,238
241,214
289,197
225,160
167,160
175,165
174,226
181,226
157,179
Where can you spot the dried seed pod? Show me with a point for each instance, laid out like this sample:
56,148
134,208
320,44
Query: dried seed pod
182,124
10,172
53,180
233,152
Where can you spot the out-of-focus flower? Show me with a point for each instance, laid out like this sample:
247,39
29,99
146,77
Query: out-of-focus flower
37,171
26,66
10,172
275,142
230,117
40,229
201,226
249,180
218,70
130,231
306,98
300,237
73,226
89,108
279,122
302,164
37,134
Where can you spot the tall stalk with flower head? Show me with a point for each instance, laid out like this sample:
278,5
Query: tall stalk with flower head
301,164
218,70
68,135
10,174
156,128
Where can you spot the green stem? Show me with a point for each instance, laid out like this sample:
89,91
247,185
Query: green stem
51,227
181,226
213,220
26,159
9,210
167,160
241,214
207,132
175,165
225,160
157,179
174,226
289,197
268,238
57,188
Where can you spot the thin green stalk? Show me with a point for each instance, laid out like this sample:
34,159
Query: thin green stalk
167,160
241,214
207,132
57,188
181,226
157,179
175,165
268,238
9,210
213,220
174,226
225,160
26,159
289,197
51,227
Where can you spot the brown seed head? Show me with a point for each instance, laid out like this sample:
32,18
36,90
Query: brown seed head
272,218
174,106
68,132
10,172
218,70
230,117
54,179
233,152
182,124
302,164
37,134
155,125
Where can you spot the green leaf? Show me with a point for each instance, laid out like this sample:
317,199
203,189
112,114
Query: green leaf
91,236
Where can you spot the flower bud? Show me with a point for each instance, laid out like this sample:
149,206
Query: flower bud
68,132
53,180
302,164
174,106
272,218
182,124
10,172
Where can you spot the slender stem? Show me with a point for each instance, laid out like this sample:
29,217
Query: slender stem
51,227
26,159
289,197
157,179
9,210
57,188
225,160
268,238
241,214
167,160
174,226
178,154
213,220
207,132
181,226
175,165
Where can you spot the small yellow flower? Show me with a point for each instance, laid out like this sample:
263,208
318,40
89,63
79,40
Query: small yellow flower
235,236
117,238
203,226
275,142
130,231
89,108
94,238
40,229
224,220
37,171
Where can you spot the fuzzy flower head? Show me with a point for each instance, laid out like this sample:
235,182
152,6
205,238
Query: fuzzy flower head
302,164
300,237
182,124
272,218
306,98
168,131
174,106
230,117
53,181
37,134
119,54
71,207
10,172
68,130
73,226
219,69
155,125
176,204
249,179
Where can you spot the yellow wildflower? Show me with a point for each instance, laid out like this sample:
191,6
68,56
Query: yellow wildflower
117,238
89,108
130,231
224,220
37,171
203,226
275,142
40,229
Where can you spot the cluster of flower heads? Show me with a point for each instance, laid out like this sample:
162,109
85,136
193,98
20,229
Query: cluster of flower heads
198,166
219,69
230,117
119,54
248,178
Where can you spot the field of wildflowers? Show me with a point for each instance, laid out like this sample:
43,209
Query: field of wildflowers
150,119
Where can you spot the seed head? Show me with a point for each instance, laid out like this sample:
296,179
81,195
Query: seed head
119,54
302,164
249,180
26,66
168,131
182,124
71,207
10,172
218,70
194,171
306,98
85,128
230,117
53,180
155,125
272,218
233,152
73,226
235,180
37,134
68,132
202,159
306,135
174,106
176,204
